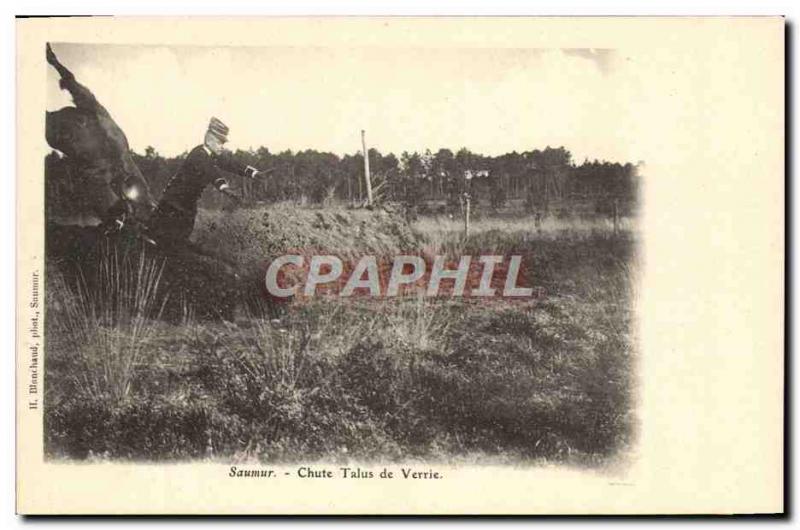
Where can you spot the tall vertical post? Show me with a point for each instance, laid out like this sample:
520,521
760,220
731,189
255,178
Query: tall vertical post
366,167
466,214
546,197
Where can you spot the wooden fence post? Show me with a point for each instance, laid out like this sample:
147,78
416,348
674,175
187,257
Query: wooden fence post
366,167
466,215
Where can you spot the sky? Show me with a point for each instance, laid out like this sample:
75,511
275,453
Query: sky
491,101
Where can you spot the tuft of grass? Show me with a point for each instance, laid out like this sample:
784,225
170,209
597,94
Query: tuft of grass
417,323
106,321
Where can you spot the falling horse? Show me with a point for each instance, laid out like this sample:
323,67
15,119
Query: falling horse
110,186
114,194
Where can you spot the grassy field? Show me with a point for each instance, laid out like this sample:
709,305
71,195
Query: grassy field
548,379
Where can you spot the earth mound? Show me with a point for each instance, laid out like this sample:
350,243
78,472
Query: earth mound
252,237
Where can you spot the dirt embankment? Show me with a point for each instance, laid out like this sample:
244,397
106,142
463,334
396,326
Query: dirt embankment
251,237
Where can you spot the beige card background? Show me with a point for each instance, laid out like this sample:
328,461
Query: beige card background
711,102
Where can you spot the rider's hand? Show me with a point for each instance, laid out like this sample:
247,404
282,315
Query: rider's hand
251,172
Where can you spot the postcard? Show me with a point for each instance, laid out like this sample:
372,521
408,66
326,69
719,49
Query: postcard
333,265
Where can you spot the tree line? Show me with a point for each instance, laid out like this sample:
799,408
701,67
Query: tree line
537,180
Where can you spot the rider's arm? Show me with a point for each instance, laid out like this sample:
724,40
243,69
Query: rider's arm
208,169
227,162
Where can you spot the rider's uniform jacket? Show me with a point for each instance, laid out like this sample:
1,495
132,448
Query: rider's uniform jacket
174,217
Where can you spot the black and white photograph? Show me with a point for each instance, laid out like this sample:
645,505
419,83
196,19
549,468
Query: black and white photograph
167,343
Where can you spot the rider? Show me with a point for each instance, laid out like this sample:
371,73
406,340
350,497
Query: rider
174,217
